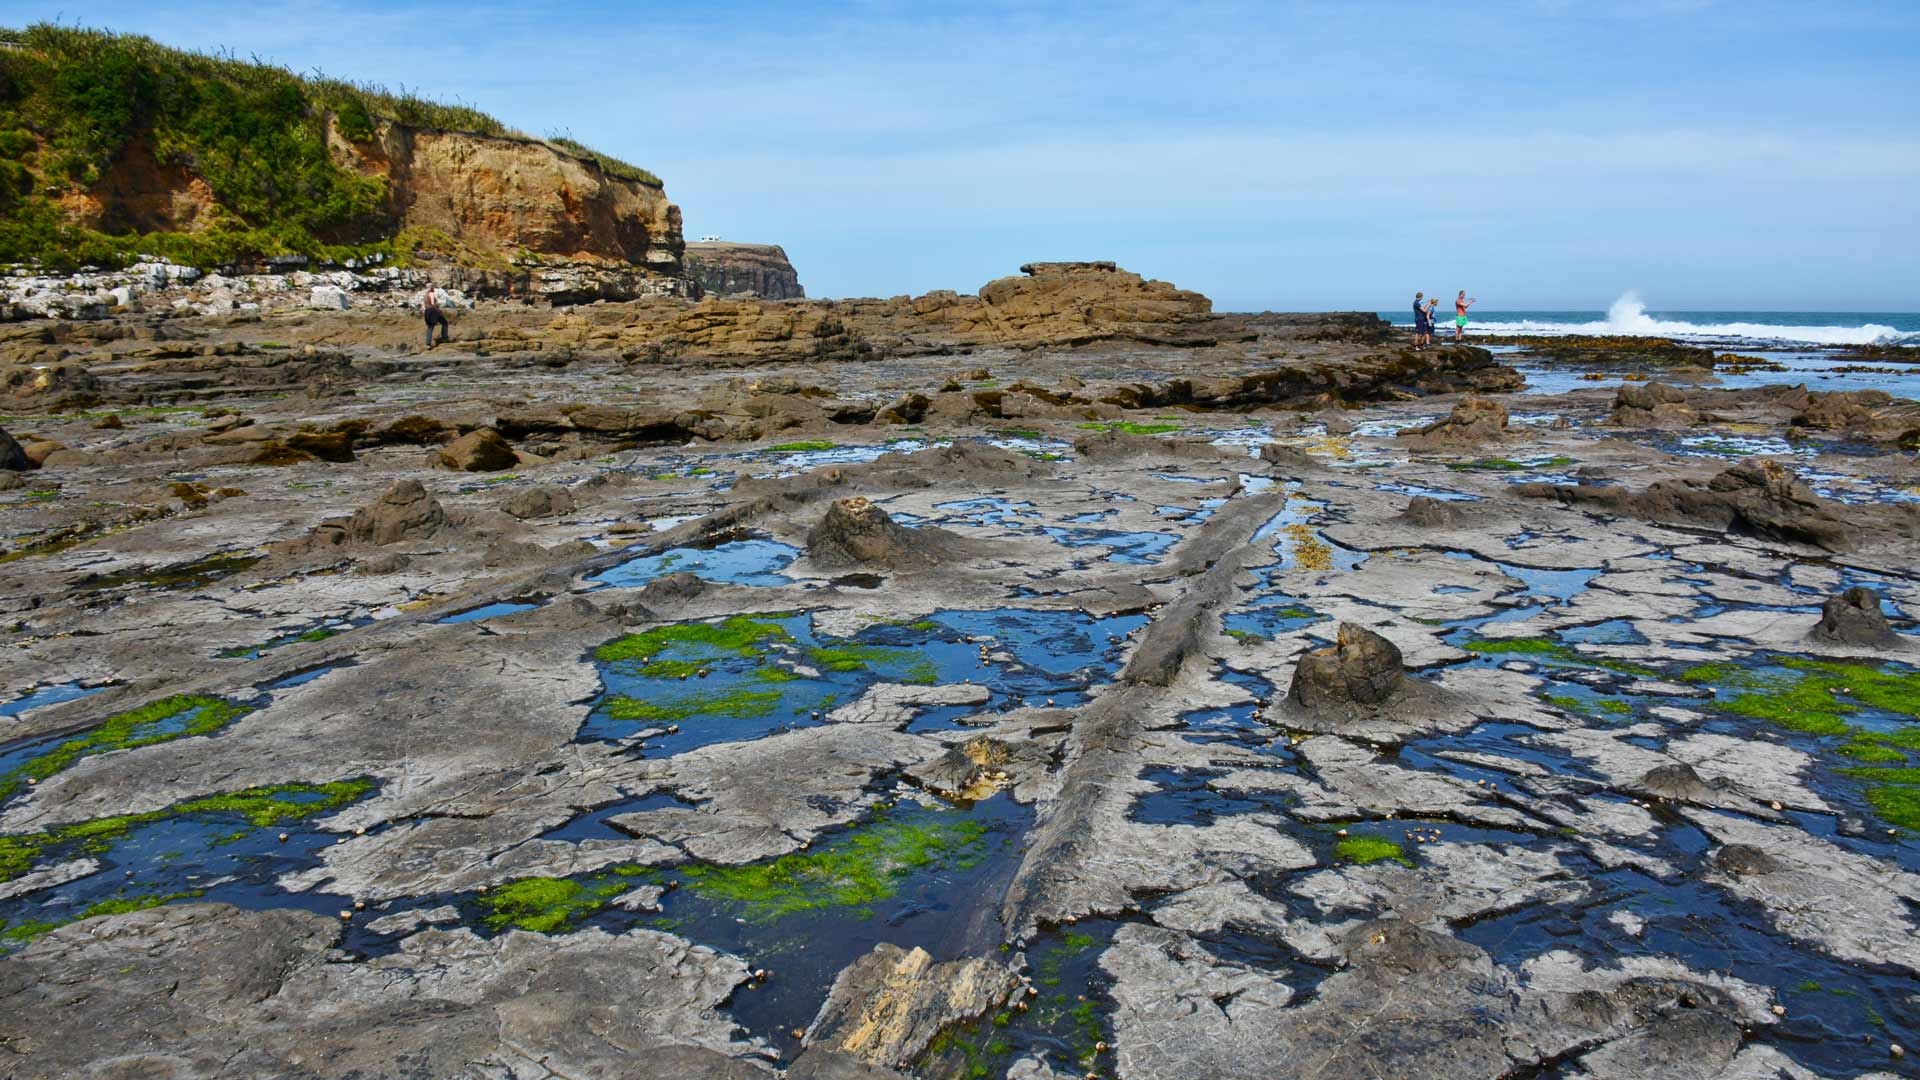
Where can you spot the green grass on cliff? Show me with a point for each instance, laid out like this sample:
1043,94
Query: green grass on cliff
77,104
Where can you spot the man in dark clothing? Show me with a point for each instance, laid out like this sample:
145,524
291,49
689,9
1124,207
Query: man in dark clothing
430,307
1422,322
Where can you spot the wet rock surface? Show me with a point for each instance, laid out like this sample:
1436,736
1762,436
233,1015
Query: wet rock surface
1055,681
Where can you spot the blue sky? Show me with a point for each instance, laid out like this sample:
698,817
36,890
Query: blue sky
1284,155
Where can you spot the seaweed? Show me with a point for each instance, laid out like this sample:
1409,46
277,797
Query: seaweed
126,731
740,635
258,806
1367,850
858,869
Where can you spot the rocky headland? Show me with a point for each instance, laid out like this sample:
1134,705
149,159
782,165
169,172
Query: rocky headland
724,268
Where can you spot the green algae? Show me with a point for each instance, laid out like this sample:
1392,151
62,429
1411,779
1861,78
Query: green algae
858,869
549,905
126,731
1816,696
1894,794
740,702
1367,850
673,669
1129,427
892,661
247,652
1064,1021
803,446
1550,650
740,635
259,806
1498,464
1870,752
190,575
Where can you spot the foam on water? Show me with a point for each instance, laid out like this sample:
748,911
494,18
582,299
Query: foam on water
1628,317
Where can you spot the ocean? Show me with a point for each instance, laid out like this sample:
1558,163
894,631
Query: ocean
1628,315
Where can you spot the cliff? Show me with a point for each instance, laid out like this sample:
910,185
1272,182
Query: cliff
112,146
500,196
727,269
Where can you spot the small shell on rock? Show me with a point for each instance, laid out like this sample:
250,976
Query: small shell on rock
1775,804
1779,1010
346,916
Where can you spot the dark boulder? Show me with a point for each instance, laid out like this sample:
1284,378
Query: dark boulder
12,456
479,450
1744,860
905,409
541,500
1854,617
1757,497
405,512
1653,405
325,445
855,532
1361,668
1679,782
1474,422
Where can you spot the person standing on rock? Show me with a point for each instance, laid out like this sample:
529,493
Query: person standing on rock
430,307
1460,306
1433,310
1421,327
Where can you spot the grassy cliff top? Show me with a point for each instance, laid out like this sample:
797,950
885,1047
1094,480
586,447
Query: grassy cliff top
74,101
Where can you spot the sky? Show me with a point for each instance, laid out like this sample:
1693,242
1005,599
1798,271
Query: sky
1287,156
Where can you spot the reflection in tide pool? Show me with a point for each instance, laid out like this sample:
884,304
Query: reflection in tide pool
47,695
739,562
745,677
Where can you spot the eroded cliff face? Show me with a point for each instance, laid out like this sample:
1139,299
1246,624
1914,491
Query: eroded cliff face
724,268
511,196
496,198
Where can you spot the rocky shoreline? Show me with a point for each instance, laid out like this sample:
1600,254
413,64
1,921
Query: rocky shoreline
1062,680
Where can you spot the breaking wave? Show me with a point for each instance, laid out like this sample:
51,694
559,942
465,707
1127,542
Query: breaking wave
1628,316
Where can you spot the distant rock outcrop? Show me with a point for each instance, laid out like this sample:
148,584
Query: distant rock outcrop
1474,422
723,268
1758,497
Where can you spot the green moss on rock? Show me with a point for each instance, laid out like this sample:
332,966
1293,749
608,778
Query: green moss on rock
1367,850
741,703
128,730
740,635
549,905
853,871
260,806
895,662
